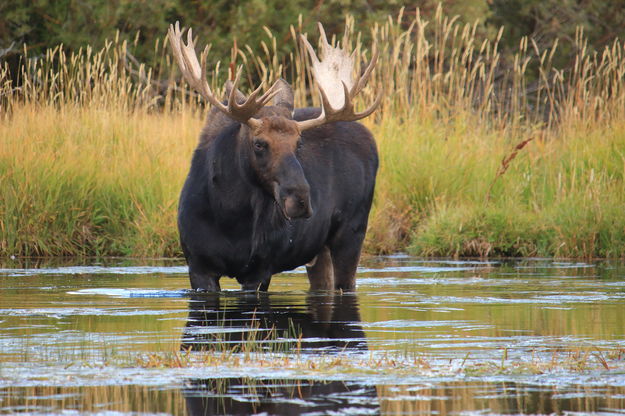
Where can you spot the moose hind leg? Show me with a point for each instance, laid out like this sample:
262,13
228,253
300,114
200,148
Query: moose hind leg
345,250
321,272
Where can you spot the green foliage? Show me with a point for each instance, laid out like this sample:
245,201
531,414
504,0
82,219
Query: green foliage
43,24
547,20
563,200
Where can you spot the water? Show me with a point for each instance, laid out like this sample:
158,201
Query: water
419,337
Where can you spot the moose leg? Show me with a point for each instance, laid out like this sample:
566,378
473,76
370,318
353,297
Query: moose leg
345,249
208,282
201,277
200,274
321,273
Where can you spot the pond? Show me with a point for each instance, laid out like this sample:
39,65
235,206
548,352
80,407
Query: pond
418,337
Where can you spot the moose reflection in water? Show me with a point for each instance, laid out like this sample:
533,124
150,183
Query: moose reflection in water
327,323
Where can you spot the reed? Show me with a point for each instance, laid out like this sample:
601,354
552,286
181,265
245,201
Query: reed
574,361
95,146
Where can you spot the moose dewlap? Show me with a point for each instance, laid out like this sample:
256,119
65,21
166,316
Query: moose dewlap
271,187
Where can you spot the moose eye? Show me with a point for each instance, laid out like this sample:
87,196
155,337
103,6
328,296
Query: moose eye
260,145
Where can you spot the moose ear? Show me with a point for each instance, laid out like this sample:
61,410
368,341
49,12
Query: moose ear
239,96
284,97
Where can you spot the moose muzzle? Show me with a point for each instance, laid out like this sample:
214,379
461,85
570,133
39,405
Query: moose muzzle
291,190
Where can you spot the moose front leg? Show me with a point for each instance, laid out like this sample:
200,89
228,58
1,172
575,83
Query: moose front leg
202,279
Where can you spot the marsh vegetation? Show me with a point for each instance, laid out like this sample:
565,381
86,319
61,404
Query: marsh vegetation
477,158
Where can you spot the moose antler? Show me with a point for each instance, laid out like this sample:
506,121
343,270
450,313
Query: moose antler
195,74
337,86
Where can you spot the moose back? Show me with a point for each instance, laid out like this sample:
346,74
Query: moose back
272,188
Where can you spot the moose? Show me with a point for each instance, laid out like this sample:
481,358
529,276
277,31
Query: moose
272,188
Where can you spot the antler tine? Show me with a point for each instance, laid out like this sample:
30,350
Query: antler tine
271,93
175,41
311,51
242,112
232,102
325,45
372,107
362,81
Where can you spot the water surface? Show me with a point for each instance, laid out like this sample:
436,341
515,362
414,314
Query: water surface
418,337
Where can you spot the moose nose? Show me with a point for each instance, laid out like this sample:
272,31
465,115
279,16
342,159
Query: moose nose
297,202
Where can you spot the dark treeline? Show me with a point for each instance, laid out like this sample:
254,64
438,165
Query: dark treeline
41,24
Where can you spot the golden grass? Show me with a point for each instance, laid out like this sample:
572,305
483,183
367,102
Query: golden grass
576,360
92,181
94,147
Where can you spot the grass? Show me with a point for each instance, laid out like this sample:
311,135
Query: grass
581,360
283,350
94,148
560,196
90,181
119,399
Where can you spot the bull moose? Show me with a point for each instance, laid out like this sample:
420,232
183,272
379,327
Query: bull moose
271,188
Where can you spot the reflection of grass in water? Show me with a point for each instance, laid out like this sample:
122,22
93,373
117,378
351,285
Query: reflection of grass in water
92,399
441,398
499,398
256,353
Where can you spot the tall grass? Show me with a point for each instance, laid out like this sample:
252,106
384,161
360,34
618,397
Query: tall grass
94,146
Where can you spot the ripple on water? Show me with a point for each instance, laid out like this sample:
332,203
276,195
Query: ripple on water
80,270
131,293
63,312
